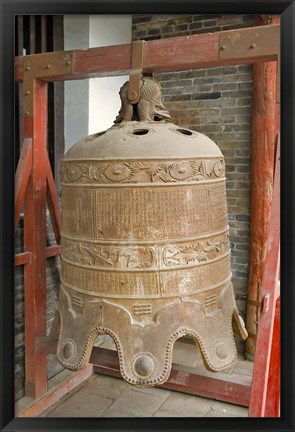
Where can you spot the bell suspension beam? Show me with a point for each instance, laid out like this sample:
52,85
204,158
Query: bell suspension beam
136,72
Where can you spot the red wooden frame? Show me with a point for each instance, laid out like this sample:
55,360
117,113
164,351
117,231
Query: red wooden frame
35,184
264,400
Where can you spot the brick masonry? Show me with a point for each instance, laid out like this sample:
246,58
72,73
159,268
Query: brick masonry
52,277
217,103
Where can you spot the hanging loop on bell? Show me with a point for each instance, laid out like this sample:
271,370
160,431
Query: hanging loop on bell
136,72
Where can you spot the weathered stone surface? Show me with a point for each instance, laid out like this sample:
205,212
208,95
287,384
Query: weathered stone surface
82,404
133,403
181,405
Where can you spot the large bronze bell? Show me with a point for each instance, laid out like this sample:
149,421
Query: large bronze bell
145,248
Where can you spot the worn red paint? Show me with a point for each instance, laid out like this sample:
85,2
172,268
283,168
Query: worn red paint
169,54
22,258
272,404
35,242
22,177
264,400
183,379
265,122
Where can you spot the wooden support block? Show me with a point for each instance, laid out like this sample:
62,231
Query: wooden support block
242,43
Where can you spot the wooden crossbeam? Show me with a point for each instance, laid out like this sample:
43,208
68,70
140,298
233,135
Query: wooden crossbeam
52,251
170,54
25,257
22,258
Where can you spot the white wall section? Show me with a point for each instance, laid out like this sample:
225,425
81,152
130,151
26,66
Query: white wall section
92,105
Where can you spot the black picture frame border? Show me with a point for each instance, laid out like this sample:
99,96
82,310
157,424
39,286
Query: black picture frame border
8,10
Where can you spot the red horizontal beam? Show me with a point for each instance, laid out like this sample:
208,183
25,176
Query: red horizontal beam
234,389
183,379
170,54
52,251
25,257
22,258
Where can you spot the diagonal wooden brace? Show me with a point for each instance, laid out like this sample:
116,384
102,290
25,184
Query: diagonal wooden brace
22,177
136,72
52,202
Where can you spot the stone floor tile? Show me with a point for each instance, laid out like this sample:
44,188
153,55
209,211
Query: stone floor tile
212,413
167,413
228,408
134,403
57,379
101,395
244,367
105,386
22,404
153,390
53,366
183,405
82,404
186,354
108,343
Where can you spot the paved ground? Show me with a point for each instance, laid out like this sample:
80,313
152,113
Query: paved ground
103,396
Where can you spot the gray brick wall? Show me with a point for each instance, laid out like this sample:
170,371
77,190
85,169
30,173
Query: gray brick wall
52,279
217,103
149,27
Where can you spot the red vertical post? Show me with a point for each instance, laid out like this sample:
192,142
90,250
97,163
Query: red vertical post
265,122
267,352
35,126
272,405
